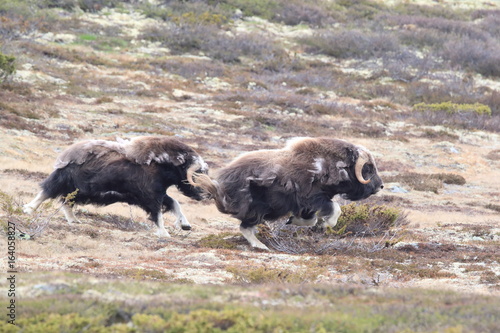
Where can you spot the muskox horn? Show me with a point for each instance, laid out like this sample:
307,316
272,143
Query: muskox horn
191,171
358,168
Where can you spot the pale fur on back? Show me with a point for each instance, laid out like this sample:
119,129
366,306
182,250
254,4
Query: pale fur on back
140,150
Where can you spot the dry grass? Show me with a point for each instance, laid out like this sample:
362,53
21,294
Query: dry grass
427,182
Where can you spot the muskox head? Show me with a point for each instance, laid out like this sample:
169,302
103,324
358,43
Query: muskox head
358,173
194,165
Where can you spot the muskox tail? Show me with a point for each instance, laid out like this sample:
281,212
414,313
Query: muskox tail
58,183
209,186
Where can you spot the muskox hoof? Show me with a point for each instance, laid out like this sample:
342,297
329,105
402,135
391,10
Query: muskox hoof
27,209
186,227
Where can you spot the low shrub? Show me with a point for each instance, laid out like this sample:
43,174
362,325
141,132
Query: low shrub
348,43
261,8
462,116
362,220
96,5
258,275
213,42
7,66
302,12
450,107
116,221
494,155
480,56
360,226
426,182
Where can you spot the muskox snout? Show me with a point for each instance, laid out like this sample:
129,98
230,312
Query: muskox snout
378,188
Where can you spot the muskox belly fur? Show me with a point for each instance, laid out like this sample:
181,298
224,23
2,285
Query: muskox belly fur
137,171
299,180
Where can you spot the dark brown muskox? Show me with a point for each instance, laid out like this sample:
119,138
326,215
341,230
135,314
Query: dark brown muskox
300,179
137,171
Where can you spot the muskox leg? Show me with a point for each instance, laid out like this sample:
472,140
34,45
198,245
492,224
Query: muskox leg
68,213
161,232
181,220
249,234
332,217
35,203
173,205
306,219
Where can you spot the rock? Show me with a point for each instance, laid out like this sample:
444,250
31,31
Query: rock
397,189
49,288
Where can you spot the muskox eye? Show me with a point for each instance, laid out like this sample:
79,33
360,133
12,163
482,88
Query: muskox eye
367,170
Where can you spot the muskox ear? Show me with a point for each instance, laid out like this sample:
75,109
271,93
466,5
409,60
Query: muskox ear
351,156
179,159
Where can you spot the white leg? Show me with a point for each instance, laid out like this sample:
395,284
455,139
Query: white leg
180,220
68,213
35,203
303,222
249,234
161,232
332,219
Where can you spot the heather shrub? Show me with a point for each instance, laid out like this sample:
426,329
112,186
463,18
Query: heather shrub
261,8
96,5
481,56
406,66
64,4
351,43
189,68
213,42
302,12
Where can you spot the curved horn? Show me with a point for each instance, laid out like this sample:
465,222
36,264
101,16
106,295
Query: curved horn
358,168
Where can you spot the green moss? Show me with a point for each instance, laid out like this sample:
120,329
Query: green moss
451,108
88,37
219,241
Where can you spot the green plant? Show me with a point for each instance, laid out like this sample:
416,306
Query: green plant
366,220
219,241
452,108
7,66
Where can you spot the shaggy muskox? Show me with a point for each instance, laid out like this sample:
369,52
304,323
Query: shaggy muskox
136,171
300,179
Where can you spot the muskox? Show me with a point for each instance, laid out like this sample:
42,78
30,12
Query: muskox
137,171
300,179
